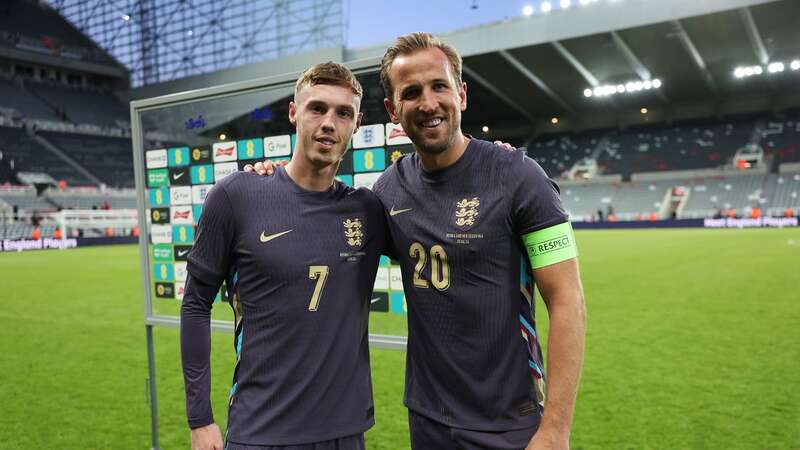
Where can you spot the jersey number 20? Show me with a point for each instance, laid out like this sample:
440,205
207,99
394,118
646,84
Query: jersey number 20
440,269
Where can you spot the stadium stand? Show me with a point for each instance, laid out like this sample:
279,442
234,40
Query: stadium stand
103,109
29,155
108,158
13,96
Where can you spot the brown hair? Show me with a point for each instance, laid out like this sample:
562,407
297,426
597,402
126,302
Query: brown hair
413,42
330,73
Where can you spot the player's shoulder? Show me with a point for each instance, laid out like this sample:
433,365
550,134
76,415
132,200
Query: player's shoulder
391,173
364,196
240,182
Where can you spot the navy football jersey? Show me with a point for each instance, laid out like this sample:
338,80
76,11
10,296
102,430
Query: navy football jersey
473,359
300,268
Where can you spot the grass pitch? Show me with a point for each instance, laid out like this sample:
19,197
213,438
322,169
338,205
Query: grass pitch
693,343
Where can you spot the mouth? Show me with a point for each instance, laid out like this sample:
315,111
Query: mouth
326,143
431,123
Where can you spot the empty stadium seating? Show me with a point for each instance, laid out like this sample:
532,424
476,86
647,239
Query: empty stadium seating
108,158
13,96
29,155
81,105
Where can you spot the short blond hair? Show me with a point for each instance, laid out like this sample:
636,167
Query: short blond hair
330,73
411,43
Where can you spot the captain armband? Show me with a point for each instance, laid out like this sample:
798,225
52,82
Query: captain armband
550,245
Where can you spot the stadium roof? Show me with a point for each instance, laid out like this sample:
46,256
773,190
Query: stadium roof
521,73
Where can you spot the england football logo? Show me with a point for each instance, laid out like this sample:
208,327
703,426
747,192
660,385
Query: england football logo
467,212
353,232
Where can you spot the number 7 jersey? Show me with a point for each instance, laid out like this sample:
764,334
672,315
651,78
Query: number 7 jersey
474,359
300,268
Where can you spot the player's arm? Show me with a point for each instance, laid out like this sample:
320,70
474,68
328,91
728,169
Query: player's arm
208,264
196,359
540,219
554,260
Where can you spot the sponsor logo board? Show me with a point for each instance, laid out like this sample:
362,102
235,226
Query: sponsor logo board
179,176
180,272
200,192
162,253
180,195
157,178
395,135
224,151
182,234
158,197
202,174
159,215
223,170
277,146
181,215
155,159
369,160
365,179
382,279
250,148
369,136
164,290
161,234
181,252
178,156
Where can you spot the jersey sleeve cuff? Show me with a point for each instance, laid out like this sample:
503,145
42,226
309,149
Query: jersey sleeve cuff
202,422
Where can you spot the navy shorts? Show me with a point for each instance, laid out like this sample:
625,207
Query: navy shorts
427,434
354,442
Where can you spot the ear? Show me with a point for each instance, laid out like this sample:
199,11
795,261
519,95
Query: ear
359,118
390,109
462,94
293,113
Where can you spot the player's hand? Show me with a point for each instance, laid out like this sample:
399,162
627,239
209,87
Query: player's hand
505,145
207,438
544,439
264,168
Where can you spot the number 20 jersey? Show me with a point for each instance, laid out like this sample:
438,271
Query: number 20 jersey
473,359
300,268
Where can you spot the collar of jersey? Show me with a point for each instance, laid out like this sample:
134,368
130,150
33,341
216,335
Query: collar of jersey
437,176
280,172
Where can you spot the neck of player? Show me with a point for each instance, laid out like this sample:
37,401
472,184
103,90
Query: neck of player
310,176
432,162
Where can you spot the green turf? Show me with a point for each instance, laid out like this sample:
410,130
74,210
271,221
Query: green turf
693,342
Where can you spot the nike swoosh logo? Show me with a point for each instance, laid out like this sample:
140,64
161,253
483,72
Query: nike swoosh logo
182,252
375,300
394,212
177,176
265,238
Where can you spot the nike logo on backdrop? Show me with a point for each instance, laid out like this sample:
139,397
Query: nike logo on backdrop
394,212
265,238
375,300
182,253
176,176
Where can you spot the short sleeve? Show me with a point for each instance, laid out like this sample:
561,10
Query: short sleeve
535,200
210,256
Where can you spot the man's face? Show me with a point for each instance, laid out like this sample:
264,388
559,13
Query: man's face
427,99
326,116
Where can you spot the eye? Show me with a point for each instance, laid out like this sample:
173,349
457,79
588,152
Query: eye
409,94
345,113
440,86
317,109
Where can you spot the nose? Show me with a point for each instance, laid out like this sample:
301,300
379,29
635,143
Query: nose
328,122
428,101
